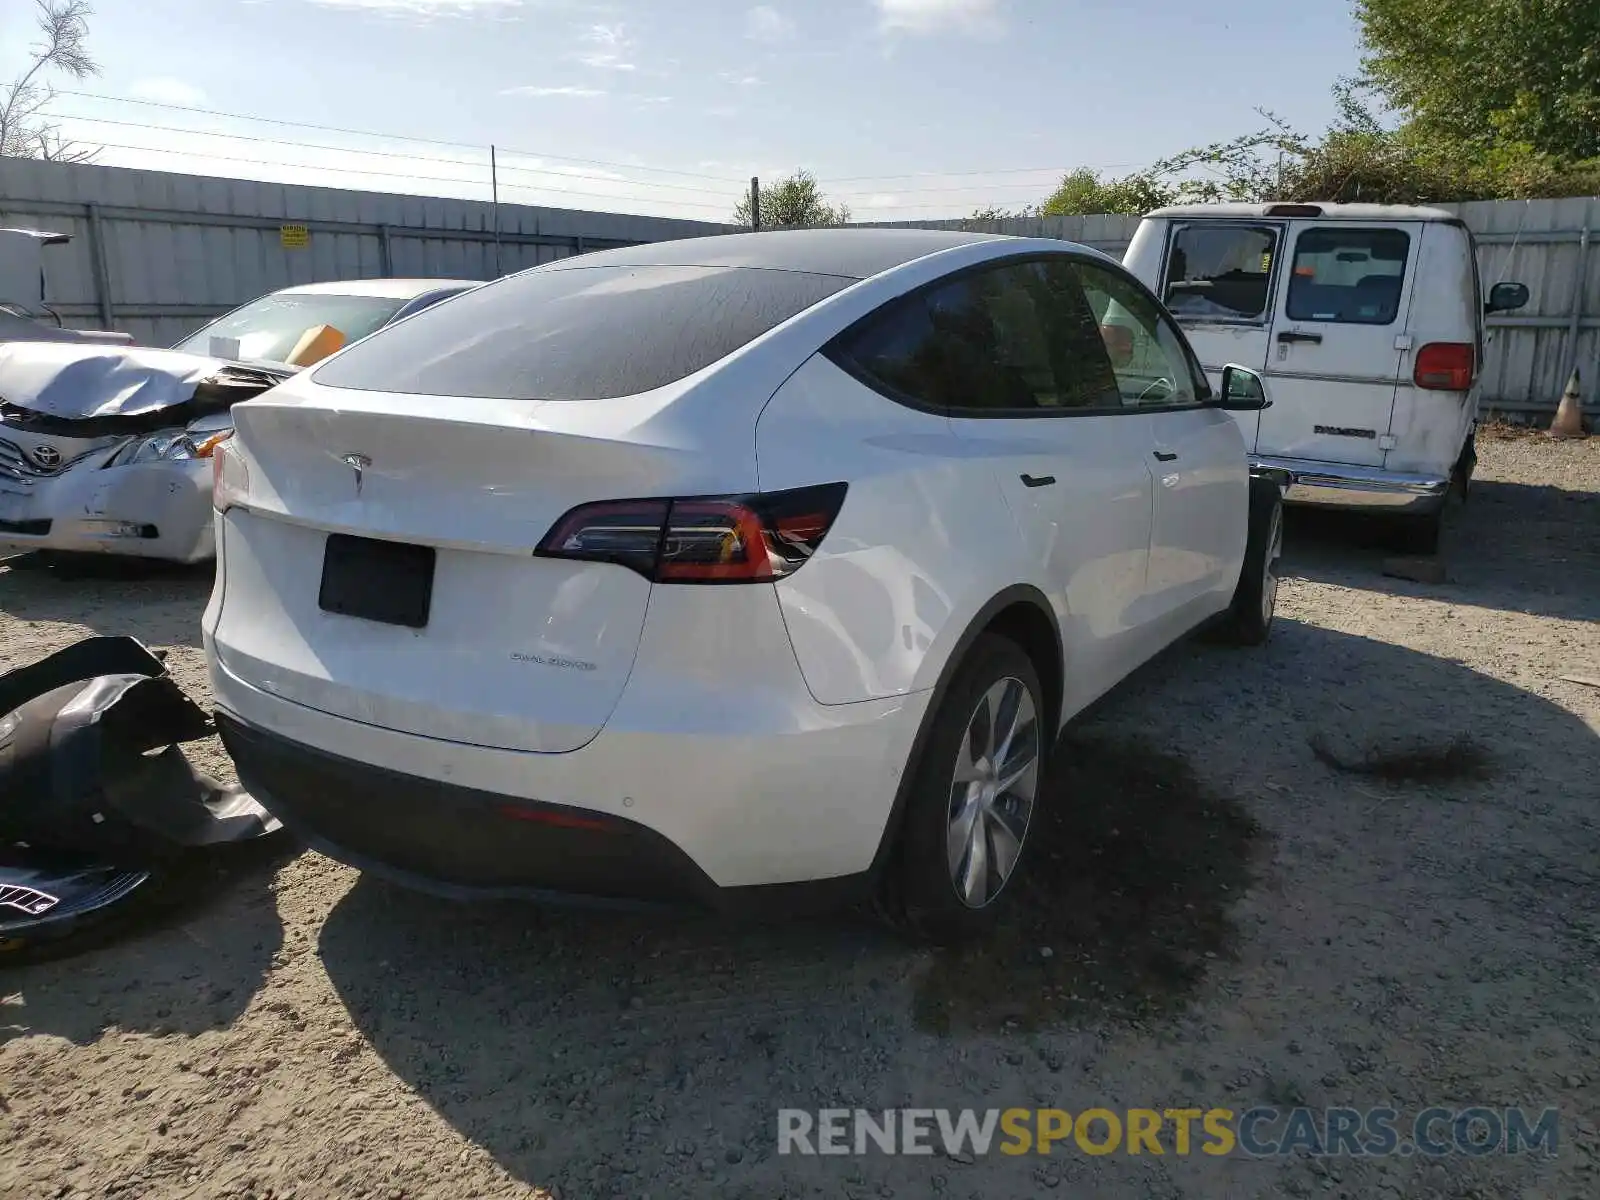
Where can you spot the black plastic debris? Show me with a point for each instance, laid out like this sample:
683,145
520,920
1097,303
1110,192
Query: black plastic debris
49,899
97,800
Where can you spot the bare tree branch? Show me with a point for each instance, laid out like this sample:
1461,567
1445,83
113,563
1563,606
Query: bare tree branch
64,26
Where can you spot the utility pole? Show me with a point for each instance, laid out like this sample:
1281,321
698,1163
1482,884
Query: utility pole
494,186
755,202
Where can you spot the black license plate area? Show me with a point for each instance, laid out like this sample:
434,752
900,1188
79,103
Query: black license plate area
391,582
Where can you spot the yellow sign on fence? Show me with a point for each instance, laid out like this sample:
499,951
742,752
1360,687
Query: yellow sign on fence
294,237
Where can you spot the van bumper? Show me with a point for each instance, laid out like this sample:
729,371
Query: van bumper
1341,485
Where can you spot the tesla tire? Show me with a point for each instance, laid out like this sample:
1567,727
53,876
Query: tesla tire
973,797
1248,621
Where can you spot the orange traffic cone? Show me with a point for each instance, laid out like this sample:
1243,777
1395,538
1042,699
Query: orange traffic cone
1569,413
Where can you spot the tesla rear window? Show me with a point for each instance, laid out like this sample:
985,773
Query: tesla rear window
578,333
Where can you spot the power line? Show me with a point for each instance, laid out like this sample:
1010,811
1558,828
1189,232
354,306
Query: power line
968,174
540,187
971,187
408,175
394,137
456,162
593,162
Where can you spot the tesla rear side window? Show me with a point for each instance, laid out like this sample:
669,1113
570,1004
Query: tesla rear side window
579,333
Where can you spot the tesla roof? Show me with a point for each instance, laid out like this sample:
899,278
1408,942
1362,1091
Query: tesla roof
853,253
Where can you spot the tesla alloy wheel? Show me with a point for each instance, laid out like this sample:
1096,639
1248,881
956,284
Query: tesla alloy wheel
974,793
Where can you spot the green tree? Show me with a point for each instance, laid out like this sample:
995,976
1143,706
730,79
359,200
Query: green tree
1363,156
1083,192
793,203
25,130
1517,75
995,213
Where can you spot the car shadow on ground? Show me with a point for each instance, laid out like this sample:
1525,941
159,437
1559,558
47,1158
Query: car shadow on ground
99,593
1512,546
188,958
585,1049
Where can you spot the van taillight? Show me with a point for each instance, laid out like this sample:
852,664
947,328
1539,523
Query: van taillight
1445,366
701,539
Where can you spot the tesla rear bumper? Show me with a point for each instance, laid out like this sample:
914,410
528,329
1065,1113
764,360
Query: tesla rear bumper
458,841
1342,485
649,811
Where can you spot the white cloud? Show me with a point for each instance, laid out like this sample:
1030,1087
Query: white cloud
610,48
163,89
425,8
766,24
936,16
739,79
576,93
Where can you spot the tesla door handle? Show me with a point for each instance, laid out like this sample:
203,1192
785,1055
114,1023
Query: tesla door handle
1291,335
1038,480
1163,456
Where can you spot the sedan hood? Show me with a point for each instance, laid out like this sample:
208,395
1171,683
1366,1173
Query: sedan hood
102,391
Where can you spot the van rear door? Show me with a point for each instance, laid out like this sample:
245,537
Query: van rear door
1217,280
1338,343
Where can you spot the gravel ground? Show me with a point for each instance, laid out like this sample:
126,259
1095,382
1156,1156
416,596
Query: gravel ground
1222,918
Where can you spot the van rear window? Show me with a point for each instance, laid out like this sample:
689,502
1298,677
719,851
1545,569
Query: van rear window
1220,271
1348,276
578,333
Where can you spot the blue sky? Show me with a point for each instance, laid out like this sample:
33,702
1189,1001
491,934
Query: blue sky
976,102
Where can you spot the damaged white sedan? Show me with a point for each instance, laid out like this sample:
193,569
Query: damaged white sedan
106,449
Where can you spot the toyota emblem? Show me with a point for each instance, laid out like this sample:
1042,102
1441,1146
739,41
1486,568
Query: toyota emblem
45,457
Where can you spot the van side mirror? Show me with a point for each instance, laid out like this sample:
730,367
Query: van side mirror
1506,297
1242,390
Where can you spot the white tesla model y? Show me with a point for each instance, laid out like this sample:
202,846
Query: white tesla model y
687,570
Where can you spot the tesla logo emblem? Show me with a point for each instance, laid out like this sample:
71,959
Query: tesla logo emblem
27,900
45,457
359,464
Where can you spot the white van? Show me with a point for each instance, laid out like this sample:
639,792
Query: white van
1366,322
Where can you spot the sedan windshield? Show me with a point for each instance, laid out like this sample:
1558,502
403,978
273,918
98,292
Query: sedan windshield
269,328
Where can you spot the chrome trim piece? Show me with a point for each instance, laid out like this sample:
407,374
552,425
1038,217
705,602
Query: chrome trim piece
1404,381
1342,485
14,464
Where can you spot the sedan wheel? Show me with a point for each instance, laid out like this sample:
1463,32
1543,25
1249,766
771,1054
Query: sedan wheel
971,795
1269,569
995,782
1248,621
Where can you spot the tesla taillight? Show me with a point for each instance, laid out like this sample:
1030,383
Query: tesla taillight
230,478
1445,366
701,539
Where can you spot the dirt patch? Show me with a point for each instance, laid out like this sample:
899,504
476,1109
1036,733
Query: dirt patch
313,1032
1505,431
1460,760
1136,864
